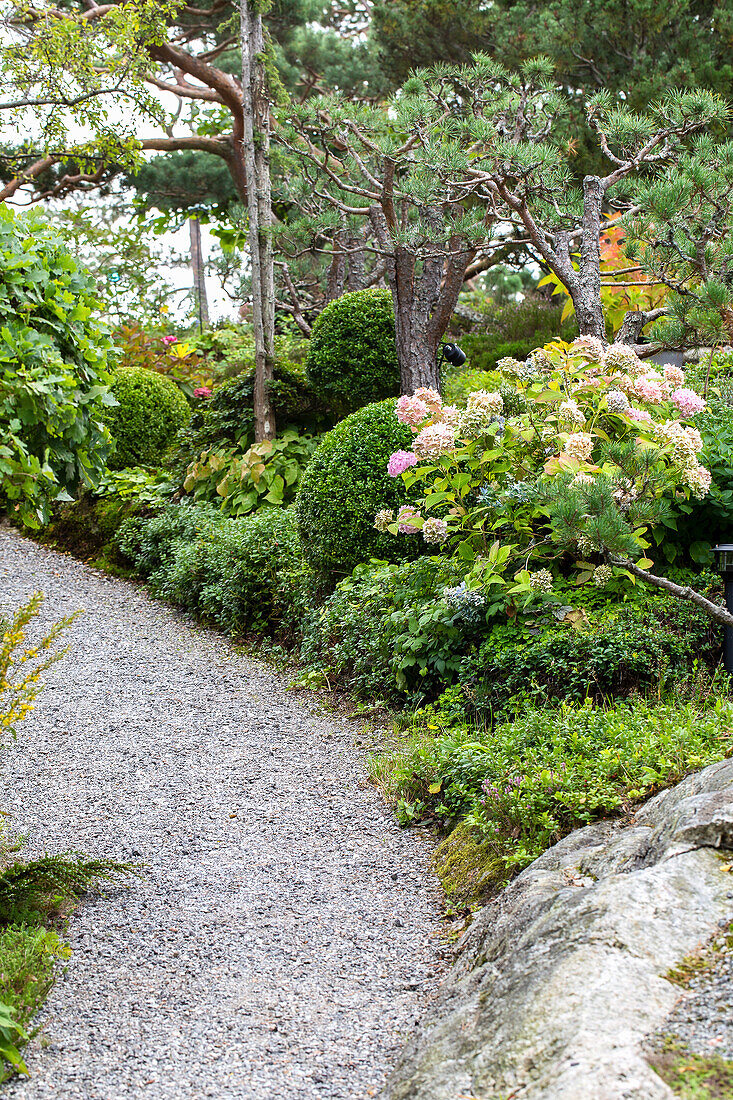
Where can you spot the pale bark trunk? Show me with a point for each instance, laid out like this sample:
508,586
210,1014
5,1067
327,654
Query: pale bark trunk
199,280
256,150
587,292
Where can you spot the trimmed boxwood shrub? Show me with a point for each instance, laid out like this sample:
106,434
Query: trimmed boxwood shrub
150,412
345,485
352,357
242,574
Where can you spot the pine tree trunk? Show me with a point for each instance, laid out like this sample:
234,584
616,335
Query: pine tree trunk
587,292
256,148
199,281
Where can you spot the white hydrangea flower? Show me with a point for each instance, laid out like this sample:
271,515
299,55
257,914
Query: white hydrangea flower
383,519
435,531
621,357
586,545
541,581
589,348
617,401
492,403
434,441
582,480
570,414
579,445
602,574
698,479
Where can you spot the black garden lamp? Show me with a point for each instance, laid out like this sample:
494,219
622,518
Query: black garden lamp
452,354
724,565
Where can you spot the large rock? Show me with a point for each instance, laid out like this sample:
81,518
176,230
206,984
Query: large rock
561,977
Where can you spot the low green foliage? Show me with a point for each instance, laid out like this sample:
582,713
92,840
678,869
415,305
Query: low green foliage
12,1034
345,484
241,481
352,356
33,895
526,783
389,631
151,409
226,420
640,645
53,380
243,574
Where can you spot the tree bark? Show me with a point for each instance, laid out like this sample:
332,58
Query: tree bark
713,610
255,145
199,280
586,293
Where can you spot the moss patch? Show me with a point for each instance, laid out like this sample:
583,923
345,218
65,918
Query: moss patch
85,528
470,872
701,961
693,1077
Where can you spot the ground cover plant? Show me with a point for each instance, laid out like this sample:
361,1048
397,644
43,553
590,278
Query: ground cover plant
36,895
518,786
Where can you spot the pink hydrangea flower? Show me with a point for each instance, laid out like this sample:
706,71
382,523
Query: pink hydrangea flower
641,416
674,375
170,340
434,441
202,391
688,402
649,388
399,462
431,397
405,514
412,411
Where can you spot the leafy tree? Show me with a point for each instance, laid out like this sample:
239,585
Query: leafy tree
52,372
683,236
460,156
626,47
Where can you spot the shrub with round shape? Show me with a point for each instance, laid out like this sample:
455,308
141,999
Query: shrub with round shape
344,486
352,357
151,410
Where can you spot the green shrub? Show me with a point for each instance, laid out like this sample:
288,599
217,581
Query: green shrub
389,631
712,517
345,485
151,409
528,782
244,574
52,372
352,357
241,481
628,648
228,416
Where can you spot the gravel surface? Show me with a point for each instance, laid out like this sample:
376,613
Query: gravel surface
286,934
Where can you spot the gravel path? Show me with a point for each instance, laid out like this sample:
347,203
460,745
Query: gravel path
287,933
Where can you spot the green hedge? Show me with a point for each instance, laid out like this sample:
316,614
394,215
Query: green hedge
345,485
150,412
352,356
242,574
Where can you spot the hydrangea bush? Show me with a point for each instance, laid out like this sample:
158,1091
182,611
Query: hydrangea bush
585,448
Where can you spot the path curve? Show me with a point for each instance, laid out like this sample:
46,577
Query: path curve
287,934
